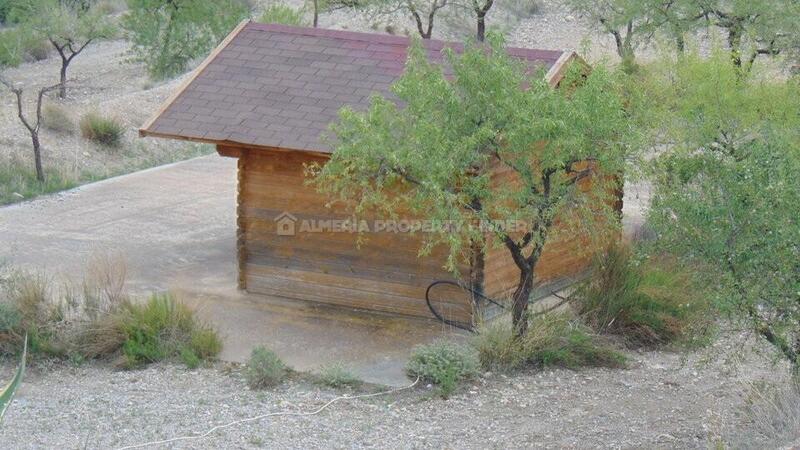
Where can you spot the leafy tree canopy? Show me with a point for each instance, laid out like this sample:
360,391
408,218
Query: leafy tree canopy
433,156
726,193
167,34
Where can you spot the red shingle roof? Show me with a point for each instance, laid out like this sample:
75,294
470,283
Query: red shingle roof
271,85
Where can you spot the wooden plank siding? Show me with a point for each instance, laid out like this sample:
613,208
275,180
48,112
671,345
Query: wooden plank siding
383,274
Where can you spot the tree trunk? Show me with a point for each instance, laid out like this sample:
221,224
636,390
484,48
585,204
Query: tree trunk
481,27
519,312
477,264
316,13
37,156
62,90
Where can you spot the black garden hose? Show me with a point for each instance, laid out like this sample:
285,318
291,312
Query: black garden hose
479,296
475,296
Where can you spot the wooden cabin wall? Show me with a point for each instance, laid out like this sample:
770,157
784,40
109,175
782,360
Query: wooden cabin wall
384,274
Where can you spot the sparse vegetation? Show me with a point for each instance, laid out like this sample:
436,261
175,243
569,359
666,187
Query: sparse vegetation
57,118
264,369
163,328
336,375
167,34
444,364
554,339
647,303
100,129
100,320
18,182
773,409
280,13
69,27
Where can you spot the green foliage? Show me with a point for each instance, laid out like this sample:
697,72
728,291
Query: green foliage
432,158
18,45
442,363
10,318
168,34
280,13
336,375
101,129
163,328
652,302
552,340
68,26
190,358
7,392
726,193
57,118
264,369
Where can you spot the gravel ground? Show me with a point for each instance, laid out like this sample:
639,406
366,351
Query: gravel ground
665,400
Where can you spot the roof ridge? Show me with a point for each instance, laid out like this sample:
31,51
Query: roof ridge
378,38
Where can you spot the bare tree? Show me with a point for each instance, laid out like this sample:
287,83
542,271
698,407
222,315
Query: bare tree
422,12
32,126
69,27
480,8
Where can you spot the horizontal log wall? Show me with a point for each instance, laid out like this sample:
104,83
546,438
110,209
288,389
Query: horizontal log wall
384,274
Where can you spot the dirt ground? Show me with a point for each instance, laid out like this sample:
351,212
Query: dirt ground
664,400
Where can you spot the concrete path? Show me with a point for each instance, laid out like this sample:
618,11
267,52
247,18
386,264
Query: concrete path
175,227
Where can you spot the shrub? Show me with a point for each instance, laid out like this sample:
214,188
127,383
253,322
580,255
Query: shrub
57,118
553,339
163,328
167,35
102,130
190,358
444,364
774,413
36,49
279,13
652,303
18,181
336,375
264,369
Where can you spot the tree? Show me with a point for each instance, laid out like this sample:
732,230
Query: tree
422,12
726,192
318,6
754,28
69,26
167,34
433,157
32,125
481,8
633,23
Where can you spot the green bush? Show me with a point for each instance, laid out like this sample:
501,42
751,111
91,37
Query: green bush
279,13
651,303
163,328
102,130
57,118
190,358
553,339
444,364
336,375
264,369
9,318
166,35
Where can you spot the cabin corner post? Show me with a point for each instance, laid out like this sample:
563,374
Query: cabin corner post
241,247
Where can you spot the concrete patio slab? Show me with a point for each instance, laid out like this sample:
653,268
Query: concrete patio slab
175,227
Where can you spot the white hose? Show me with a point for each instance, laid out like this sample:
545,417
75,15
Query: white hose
263,416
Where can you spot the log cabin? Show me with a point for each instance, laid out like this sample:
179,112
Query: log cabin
266,96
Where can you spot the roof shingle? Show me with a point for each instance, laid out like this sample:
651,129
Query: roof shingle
272,85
